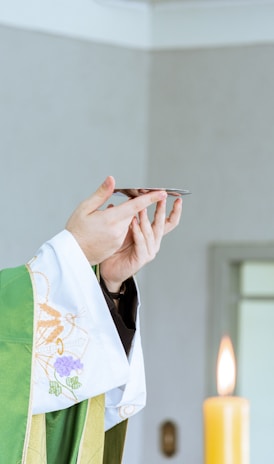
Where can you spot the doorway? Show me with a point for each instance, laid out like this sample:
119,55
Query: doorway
242,306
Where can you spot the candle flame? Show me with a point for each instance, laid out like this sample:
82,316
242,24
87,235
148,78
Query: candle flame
226,367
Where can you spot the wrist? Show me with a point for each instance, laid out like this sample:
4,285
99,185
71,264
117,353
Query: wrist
118,295
113,287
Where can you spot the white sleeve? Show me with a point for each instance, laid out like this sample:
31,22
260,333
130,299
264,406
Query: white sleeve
77,350
127,400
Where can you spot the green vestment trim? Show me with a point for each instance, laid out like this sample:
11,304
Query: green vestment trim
81,426
16,335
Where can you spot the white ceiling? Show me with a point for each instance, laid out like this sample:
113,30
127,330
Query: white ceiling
205,3
147,24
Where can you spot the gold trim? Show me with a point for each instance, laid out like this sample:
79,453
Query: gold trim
91,449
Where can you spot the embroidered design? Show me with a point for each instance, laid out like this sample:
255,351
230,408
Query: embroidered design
63,367
127,410
60,345
53,324
66,364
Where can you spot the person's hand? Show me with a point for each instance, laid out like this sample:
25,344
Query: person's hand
141,244
100,233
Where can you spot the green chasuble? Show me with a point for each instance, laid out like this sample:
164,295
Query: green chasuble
71,436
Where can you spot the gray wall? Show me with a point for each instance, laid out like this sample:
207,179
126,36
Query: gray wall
72,112
211,130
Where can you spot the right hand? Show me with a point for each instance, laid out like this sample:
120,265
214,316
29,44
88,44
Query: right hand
100,233
141,244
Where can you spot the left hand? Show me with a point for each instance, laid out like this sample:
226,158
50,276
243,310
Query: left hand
141,244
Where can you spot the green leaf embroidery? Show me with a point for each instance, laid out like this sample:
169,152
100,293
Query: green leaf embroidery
54,388
73,382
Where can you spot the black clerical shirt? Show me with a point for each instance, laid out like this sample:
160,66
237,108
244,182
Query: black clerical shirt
124,316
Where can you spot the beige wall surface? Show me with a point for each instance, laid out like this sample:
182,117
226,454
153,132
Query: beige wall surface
72,112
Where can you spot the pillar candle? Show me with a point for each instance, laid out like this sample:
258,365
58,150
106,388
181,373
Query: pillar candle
226,417
226,430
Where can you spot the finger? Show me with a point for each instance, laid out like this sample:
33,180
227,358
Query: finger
98,198
139,241
147,231
159,221
174,218
131,207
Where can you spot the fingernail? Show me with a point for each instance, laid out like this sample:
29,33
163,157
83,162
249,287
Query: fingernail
163,195
106,182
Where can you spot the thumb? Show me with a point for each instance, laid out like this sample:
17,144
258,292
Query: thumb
102,194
